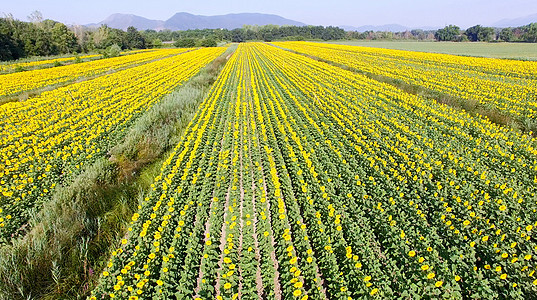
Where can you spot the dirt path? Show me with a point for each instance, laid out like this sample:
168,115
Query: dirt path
222,241
205,239
277,286
223,232
258,276
241,206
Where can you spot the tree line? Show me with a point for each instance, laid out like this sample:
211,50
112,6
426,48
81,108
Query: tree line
414,34
40,37
46,37
265,33
478,33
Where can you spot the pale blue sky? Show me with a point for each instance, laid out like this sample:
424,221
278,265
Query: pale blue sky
316,12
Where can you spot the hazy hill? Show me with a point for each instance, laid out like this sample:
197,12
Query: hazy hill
123,21
516,22
185,21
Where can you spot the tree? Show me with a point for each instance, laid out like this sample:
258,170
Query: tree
112,51
37,41
35,17
185,43
118,37
156,43
237,36
507,35
332,33
134,39
208,43
473,32
100,36
63,38
448,33
486,34
105,37
7,48
531,33
10,45
266,34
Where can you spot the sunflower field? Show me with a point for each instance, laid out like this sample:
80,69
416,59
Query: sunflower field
46,139
508,86
299,179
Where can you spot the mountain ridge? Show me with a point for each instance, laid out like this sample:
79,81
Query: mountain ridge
516,22
185,21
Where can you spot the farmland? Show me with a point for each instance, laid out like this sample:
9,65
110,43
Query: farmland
285,170
506,87
28,81
522,51
39,62
46,140
299,179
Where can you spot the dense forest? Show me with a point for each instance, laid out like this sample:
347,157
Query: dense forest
40,37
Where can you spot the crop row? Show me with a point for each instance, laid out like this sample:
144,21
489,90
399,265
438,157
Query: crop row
46,140
507,86
7,68
300,179
14,83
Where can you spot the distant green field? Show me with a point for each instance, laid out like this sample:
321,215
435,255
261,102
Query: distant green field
527,51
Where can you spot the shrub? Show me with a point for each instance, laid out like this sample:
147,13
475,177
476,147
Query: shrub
185,43
208,43
156,43
111,51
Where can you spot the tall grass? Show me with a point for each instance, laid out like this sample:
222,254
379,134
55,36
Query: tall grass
73,235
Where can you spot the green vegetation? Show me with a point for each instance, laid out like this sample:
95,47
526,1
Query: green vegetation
453,33
185,43
39,38
112,51
46,37
297,179
190,43
72,236
249,33
527,33
526,51
208,43
502,114
40,58
480,33
448,33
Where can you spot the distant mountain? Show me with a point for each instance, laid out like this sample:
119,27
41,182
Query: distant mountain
185,21
516,22
123,21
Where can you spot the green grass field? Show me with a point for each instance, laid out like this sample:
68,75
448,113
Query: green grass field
526,51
